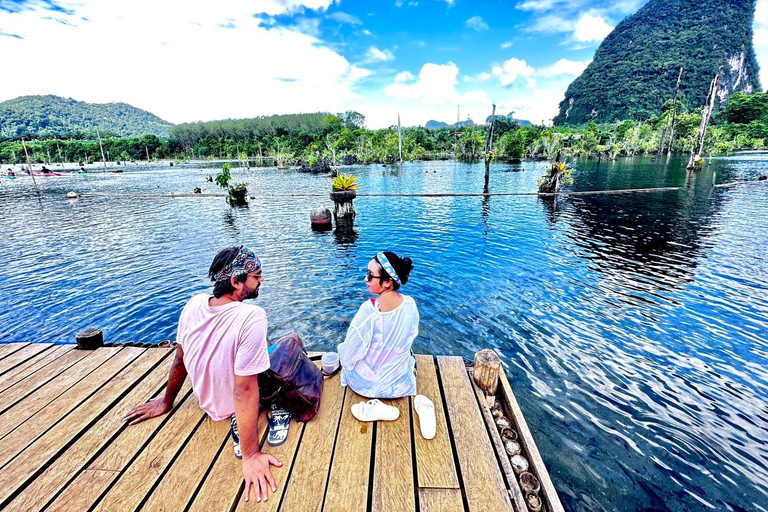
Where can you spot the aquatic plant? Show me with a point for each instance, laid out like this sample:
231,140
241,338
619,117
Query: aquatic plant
344,182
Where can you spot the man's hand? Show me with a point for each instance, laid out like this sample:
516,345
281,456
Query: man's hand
258,474
151,409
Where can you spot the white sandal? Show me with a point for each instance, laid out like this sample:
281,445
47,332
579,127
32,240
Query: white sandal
375,410
426,411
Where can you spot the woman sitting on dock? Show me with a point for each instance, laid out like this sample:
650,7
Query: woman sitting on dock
376,356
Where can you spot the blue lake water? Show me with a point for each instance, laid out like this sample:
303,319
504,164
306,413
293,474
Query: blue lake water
633,327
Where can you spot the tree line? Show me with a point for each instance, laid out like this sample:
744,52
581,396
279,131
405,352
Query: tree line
342,138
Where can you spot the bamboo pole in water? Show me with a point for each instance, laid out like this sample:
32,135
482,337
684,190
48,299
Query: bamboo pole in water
29,166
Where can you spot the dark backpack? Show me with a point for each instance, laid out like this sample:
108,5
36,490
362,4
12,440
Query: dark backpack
293,382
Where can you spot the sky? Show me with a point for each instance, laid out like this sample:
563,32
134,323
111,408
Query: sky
193,60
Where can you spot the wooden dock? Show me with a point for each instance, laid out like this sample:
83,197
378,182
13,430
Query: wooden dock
64,445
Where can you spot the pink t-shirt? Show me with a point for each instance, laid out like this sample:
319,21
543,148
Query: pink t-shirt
220,342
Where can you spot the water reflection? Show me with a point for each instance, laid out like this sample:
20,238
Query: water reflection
633,326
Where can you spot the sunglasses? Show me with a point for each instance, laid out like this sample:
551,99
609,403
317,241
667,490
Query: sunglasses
369,275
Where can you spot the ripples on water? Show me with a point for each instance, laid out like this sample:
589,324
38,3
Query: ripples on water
633,327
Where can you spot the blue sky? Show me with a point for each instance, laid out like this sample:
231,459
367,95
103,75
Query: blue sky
424,59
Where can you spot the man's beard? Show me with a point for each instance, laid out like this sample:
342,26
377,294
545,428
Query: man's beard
252,294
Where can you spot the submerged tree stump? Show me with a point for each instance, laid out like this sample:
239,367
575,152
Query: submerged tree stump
487,368
344,212
90,339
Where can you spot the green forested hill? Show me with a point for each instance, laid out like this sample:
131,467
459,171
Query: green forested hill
635,68
46,116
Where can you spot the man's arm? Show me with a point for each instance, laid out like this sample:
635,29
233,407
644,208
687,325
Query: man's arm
160,405
255,463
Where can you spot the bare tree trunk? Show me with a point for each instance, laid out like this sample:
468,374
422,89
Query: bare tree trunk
706,113
662,138
488,146
399,139
674,113
29,166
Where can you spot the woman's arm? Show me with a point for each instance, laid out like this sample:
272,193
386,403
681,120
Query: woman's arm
358,338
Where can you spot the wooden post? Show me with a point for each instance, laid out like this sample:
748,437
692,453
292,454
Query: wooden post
90,339
487,368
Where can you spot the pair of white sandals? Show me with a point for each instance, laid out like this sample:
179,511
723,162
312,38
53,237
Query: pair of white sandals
376,410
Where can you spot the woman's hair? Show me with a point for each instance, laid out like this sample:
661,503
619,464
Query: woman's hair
402,267
221,260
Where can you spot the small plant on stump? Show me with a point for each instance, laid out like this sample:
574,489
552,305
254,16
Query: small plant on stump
343,191
238,192
558,174
344,182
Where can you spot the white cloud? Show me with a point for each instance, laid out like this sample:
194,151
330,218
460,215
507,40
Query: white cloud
405,76
433,96
591,28
376,55
343,17
511,70
300,75
477,23
538,5
563,67
505,45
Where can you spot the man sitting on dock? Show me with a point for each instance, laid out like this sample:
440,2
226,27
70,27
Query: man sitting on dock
222,345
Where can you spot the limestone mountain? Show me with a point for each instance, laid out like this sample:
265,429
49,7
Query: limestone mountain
635,69
45,116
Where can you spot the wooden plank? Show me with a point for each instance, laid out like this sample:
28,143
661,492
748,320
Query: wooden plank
39,454
434,457
91,483
393,467
35,392
37,424
51,481
440,500
142,474
184,476
348,484
548,492
285,453
306,487
223,485
23,371
518,500
7,349
483,484
21,355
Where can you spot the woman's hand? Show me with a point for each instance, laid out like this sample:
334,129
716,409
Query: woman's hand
153,408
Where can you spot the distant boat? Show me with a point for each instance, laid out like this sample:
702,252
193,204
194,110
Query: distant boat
49,174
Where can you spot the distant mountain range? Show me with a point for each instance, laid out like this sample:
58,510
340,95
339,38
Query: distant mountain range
45,116
439,124
635,69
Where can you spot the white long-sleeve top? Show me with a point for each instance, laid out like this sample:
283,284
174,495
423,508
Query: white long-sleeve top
376,358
